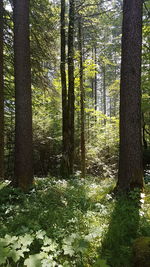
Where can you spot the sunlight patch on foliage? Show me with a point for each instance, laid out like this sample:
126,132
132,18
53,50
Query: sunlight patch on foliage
64,223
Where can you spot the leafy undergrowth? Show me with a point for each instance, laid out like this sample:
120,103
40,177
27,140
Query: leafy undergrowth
70,223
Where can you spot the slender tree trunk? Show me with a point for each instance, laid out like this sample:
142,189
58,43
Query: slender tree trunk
104,91
92,81
130,161
71,86
115,98
23,110
104,88
95,79
110,107
1,96
82,99
65,171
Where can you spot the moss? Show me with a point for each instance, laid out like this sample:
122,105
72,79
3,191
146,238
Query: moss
141,252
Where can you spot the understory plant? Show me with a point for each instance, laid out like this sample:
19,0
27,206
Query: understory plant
70,223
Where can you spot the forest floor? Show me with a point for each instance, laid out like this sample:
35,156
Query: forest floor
71,223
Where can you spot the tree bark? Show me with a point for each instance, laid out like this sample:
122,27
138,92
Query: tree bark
64,169
1,95
23,107
92,82
82,99
104,90
95,79
130,157
71,96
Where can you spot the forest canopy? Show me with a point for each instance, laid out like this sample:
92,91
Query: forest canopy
101,58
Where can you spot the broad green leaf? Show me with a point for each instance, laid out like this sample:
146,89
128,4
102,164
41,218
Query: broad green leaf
40,234
33,261
68,250
3,254
16,254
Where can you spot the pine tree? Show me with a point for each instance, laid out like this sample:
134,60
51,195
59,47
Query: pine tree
1,95
65,167
23,110
130,161
82,97
71,96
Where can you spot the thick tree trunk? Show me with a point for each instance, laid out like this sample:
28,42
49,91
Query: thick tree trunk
82,99
130,161
64,169
71,86
23,111
1,96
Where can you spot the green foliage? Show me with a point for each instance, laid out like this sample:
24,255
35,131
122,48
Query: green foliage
141,250
102,147
145,75
125,225
70,223
77,222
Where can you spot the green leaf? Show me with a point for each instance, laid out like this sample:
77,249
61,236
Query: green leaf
16,254
33,261
40,234
83,245
101,263
49,263
25,240
68,250
10,239
3,254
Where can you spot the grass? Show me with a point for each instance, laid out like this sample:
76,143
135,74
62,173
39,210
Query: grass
71,223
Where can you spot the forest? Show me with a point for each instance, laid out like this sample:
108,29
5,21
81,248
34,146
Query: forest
74,133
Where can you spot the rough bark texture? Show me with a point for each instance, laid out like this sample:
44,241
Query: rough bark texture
71,86
1,96
23,111
65,167
82,99
130,162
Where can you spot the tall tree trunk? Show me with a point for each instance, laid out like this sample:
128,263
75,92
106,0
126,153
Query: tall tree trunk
92,81
71,86
1,96
95,79
104,91
65,171
23,109
115,98
130,161
110,107
82,99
